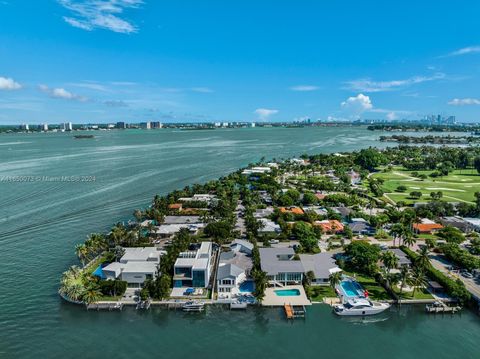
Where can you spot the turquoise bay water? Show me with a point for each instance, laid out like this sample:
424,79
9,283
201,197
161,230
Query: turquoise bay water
41,221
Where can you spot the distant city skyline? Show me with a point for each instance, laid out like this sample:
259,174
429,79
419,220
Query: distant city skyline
105,61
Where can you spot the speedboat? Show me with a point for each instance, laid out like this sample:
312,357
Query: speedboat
360,306
193,306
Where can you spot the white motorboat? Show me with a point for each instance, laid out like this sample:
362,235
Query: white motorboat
193,306
360,307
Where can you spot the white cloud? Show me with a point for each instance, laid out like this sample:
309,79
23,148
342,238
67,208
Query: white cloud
464,101
91,86
7,83
264,113
357,105
368,85
304,88
61,93
464,51
103,14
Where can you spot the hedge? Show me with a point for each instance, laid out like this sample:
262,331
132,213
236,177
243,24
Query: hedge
454,288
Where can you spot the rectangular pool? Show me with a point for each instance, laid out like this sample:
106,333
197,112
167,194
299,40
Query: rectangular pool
287,292
351,289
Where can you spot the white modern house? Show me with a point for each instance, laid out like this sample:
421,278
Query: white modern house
135,267
193,268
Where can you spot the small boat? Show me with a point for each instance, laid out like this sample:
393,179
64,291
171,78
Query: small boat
238,305
360,306
193,306
83,136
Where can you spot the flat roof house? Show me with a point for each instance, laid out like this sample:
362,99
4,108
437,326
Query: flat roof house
135,267
280,266
193,268
321,264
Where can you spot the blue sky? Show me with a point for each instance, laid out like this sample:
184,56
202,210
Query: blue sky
132,60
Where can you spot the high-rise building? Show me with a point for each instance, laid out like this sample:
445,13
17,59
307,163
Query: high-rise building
121,124
24,127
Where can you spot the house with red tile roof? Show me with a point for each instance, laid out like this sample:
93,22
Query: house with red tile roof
293,210
330,225
426,226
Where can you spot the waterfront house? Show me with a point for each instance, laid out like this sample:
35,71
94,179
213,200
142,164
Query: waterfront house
182,220
233,270
322,265
426,226
256,170
281,266
193,268
135,266
169,230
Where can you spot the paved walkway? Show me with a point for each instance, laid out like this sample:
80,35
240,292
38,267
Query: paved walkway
272,299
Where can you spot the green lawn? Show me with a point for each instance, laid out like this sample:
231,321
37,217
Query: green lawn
458,186
419,294
317,293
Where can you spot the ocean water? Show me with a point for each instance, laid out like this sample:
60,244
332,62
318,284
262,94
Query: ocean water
43,217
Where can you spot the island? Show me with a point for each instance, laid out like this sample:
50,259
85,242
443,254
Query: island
357,231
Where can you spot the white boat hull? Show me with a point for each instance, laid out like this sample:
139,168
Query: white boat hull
376,309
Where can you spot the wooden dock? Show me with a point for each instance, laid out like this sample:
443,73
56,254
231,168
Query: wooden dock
440,307
292,312
105,306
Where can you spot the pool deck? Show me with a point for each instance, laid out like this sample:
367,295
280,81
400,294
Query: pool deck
273,300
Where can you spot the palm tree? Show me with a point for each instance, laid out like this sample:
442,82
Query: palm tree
404,277
91,295
81,252
261,282
390,261
74,291
334,279
418,280
423,261
396,231
409,240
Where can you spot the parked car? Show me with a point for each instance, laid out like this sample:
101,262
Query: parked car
273,241
466,274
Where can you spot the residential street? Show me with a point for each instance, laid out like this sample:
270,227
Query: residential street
443,265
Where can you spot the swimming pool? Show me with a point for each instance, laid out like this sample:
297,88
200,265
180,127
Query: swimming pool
99,271
247,287
287,292
351,289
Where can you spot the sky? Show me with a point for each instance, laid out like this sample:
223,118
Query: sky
102,61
